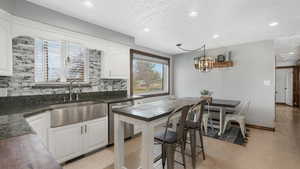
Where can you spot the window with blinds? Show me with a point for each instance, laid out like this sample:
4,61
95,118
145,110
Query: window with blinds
76,62
59,61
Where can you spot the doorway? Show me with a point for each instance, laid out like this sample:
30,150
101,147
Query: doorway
284,86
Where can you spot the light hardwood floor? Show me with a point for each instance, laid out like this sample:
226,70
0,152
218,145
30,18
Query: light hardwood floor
264,150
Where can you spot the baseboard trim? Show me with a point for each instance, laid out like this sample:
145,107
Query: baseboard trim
284,104
260,127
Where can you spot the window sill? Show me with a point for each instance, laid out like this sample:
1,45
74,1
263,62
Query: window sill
153,94
60,85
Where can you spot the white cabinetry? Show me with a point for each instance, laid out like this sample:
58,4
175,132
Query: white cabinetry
5,44
96,134
116,63
40,124
71,141
65,142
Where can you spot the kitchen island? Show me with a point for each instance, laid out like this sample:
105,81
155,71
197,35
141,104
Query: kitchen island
147,116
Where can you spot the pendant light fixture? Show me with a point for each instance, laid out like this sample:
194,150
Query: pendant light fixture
202,63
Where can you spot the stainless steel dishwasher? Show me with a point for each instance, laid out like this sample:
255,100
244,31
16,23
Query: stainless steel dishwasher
128,129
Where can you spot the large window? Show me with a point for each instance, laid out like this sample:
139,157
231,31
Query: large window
150,74
60,61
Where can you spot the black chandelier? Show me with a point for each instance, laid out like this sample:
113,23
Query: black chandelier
202,63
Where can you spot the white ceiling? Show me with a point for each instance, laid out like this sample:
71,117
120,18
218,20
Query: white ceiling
236,21
287,49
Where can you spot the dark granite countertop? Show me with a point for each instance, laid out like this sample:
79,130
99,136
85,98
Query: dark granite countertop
26,152
154,110
13,125
12,117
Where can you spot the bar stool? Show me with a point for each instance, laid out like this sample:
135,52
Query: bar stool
193,124
169,139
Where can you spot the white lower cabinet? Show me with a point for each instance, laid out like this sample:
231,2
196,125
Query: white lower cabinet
96,134
71,141
40,124
65,142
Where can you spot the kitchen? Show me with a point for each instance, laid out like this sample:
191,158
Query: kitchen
115,84
77,111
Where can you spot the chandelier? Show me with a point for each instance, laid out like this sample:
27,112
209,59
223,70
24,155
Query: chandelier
202,63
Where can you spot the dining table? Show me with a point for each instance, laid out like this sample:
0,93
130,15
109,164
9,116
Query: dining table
147,116
223,106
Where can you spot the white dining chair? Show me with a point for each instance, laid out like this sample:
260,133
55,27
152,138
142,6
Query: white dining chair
205,118
239,117
205,121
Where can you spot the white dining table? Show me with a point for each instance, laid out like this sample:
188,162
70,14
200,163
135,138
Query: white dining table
222,105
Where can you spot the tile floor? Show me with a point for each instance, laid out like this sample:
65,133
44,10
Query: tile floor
264,150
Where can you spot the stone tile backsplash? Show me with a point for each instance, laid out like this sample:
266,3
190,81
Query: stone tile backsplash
22,82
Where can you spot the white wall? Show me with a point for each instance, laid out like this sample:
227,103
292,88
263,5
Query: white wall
253,63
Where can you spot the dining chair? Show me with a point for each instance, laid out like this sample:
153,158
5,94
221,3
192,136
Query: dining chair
193,124
206,117
239,117
170,139
211,113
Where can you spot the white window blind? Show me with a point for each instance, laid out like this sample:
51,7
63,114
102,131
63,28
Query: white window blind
76,62
48,61
60,61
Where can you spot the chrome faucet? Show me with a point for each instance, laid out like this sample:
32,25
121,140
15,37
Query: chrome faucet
70,90
79,91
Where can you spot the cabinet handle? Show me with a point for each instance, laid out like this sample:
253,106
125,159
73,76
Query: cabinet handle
81,130
85,128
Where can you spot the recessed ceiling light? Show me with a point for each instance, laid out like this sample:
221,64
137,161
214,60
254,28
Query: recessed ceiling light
291,53
88,3
215,36
193,14
146,29
272,24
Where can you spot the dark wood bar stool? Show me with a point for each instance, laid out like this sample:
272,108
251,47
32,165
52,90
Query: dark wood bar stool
192,125
170,139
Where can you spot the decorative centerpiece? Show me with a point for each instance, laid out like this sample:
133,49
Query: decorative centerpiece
206,95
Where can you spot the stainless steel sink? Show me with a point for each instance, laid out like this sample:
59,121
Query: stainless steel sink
72,113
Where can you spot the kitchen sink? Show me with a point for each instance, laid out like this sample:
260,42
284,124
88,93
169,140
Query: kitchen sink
72,104
72,113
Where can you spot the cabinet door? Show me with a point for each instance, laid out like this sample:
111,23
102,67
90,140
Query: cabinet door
116,63
40,124
65,143
5,44
96,134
